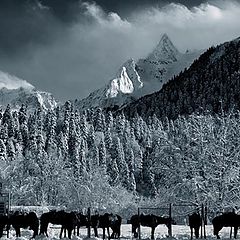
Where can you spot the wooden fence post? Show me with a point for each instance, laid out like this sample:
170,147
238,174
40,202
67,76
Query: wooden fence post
205,221
139,231
89,220
170,217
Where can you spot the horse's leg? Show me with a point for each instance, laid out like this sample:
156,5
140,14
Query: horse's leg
95,231
104,233
60,236
134,231
152,233
18,234
109,237
216,231
197,231
69,233
191,232
1,231
235,231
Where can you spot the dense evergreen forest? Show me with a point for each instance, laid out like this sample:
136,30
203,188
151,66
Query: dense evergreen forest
66,158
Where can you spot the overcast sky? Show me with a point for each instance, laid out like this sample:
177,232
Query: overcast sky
72,47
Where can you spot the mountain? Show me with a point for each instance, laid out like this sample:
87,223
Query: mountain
212,84
15,91
136,79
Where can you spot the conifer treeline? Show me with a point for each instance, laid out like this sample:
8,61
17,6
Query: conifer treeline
63,157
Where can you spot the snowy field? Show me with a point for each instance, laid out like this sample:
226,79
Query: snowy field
179,232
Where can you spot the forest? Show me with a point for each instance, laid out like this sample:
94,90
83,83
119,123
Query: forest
64,157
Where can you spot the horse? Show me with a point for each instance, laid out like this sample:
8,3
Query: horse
82,221
66,220
116,222
229,219
23,220
149,221
3,224
194,223
106,221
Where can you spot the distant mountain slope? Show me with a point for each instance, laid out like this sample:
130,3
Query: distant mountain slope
15,91
211,83
136,79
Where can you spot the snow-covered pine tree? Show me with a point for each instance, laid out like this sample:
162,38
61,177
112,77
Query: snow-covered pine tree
102,156
119,157
108,139
148,176
109,120
99,121
3,151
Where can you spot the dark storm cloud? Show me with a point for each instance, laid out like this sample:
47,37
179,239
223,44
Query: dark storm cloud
70,48
30,22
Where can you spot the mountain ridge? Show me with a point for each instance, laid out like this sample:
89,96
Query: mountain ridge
211,83
15,92
136,79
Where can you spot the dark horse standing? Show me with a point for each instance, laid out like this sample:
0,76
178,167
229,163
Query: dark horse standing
67,220
148,221
82,221
230,219
195,223
3,223
106,221
24,220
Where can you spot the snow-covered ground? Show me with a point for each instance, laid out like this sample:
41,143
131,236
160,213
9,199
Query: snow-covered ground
179,232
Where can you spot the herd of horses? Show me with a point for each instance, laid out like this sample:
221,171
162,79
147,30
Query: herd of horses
73,221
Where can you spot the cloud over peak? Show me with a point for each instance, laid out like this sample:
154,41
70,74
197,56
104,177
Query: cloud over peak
79,56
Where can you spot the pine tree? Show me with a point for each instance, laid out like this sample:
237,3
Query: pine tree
108,139
4,132
119,157
109,120
91,137
99,121
102,156
112,170
62,146
83,164
10,149
130,160
3,151
7,116
83,127
148,176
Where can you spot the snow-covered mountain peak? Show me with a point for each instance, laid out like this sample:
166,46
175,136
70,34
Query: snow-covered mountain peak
11,82
134,80
15,91
165,51
127,80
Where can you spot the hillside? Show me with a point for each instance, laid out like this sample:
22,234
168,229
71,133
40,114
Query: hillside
212,83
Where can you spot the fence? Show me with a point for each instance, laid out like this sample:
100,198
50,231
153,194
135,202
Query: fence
177,211
182,211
